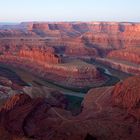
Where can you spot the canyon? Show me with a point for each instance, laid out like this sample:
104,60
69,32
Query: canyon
76,74
87,40
70,81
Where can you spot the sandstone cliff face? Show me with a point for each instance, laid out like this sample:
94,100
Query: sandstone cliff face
126,60
103,34
40,56
76,39
124,101
77,75
116,35
126,94
124,66
14,45
80,52
130,55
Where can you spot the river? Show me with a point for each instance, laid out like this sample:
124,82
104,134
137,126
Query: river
27,79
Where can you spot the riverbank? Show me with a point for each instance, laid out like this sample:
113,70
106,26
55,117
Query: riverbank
110,71
75,98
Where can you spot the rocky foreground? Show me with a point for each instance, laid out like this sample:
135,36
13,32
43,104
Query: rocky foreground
109,113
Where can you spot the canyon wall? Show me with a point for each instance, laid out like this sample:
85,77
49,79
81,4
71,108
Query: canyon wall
120,65
113,40
129,54
76,75
40,56
102,34
126,60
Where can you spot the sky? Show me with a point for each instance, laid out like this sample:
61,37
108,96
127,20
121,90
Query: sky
69,10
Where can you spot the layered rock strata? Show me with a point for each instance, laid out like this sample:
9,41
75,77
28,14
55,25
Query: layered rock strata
121,65
131,55
104,35
113,40
126,60
78,74
40,56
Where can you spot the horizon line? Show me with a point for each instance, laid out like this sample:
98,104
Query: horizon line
57,21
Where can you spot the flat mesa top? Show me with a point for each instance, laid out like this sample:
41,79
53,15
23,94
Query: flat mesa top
77,64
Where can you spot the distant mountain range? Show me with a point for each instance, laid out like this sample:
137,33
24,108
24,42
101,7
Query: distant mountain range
8,23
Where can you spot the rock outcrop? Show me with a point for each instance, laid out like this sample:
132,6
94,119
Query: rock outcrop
20,113
100,35
119,105
8,88
106,110
86,40
121,65
130,55
75,75
53,97
126,60
46,56
126,94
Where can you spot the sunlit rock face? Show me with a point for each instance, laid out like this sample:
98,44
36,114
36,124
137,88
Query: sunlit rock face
119,105
106,37
126,60
126,94
76,74
124,66
71,38
40,56
129,54
103,35
118,42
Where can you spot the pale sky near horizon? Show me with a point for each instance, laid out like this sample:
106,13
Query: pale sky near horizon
69,10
